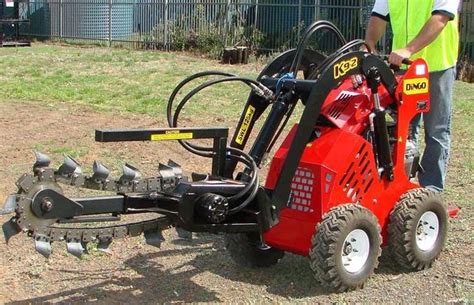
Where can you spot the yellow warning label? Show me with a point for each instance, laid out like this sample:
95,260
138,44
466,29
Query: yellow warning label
415,86
172,135
245,125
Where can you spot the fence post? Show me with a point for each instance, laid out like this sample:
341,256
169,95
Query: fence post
165,36
317,10
60,19
226,22
300,4
254,32
110,24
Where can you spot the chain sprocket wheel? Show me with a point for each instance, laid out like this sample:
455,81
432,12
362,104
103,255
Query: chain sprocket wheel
44,231
26,218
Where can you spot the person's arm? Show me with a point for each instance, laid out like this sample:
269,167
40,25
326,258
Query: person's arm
377,23
428,33
375,30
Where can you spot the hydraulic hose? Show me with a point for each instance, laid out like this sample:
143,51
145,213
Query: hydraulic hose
196,149
351,44
297,61
234,153
254,176
248,200
318,25
176,90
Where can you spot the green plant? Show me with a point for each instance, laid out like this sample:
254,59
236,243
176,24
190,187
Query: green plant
197,32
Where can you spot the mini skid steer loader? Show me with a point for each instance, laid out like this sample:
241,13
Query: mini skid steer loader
340,186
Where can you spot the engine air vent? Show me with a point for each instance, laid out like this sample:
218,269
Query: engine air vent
358,176
340,104
302,190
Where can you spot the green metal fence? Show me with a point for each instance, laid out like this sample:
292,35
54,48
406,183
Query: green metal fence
266,25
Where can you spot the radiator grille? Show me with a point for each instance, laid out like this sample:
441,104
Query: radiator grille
302,190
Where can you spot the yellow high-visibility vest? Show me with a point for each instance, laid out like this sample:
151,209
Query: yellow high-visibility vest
407,18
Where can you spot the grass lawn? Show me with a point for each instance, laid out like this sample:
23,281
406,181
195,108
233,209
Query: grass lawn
460,184
109,79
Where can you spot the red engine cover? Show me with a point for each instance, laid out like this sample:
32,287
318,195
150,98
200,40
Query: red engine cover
339,166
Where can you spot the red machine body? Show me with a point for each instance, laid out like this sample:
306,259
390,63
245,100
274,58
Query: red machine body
339,165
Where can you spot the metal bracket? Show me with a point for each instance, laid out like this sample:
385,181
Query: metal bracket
218,134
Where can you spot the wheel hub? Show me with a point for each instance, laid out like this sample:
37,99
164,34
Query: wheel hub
427,231
355,251
347,248
419,229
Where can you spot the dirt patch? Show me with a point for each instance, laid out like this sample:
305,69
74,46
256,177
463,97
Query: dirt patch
196,271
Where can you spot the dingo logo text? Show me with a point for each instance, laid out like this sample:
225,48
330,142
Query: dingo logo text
415,86
341,68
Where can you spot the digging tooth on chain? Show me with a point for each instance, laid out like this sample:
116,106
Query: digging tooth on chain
100,172
42,161
164,168
184,234
75,247
130,173
172,163
69,167
10,228
177,170
167,174
84,246
10,205
199,176
103,245
69,173
154,238
43,245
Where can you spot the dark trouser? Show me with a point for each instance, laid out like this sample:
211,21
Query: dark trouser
437,125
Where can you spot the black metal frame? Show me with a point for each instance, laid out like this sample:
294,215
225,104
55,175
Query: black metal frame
218,134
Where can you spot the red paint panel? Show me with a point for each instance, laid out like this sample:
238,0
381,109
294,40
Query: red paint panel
339,167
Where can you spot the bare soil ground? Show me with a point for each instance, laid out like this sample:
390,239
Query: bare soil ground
181,271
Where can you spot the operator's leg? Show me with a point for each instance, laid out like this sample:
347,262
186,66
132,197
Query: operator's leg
414,131
437,123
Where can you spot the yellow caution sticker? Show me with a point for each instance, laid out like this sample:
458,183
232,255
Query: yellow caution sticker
172,135
415,86
245,125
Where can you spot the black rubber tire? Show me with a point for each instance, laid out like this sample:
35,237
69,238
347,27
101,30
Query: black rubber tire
327,246
403,226
245,251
